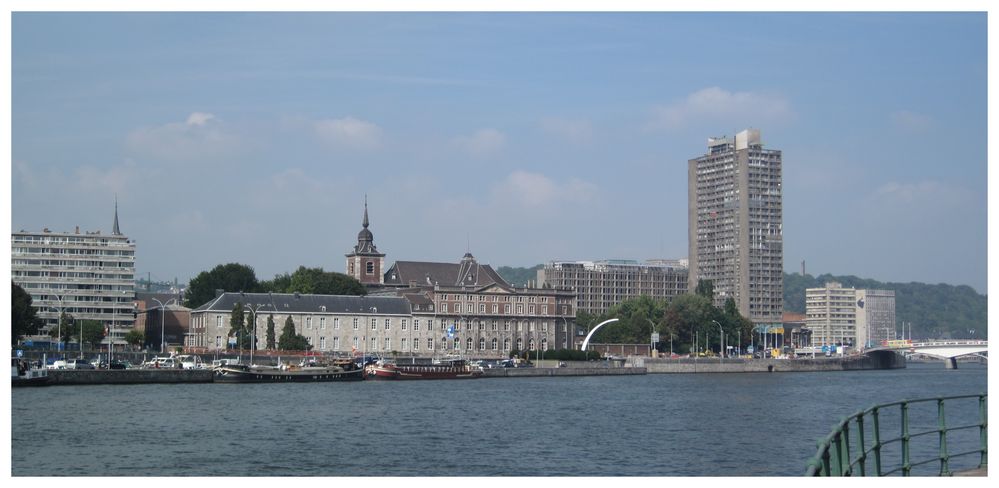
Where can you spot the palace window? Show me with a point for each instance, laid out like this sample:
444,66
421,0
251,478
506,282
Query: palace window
322,323
404,324
495,308
308,322
388,324
402,344
322,343
457,344
506,308
388,344
520,309
370,267
493,327
482,308
336,323
416,324
506,344
520,343
430,343
374,324
336,343
494,342
355,325
482,344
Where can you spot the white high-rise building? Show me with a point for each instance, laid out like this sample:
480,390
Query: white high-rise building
90,276
735,232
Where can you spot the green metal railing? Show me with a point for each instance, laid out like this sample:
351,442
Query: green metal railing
833,457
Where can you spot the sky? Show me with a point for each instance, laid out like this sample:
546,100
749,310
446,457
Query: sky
520,137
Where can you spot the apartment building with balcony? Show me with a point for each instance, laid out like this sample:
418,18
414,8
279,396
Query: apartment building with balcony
87,275
735,234
839,315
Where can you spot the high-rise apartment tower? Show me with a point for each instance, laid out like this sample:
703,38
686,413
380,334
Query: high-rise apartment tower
735,216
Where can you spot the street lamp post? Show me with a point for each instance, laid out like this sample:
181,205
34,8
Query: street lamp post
58,324
253,337
162,323
721,342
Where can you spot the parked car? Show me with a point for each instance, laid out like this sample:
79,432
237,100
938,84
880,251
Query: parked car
79,364
57,364
115,364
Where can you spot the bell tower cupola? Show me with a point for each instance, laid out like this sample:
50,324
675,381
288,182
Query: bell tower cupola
365,263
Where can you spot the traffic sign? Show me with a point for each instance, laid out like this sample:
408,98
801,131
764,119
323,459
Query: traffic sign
655,337
20,353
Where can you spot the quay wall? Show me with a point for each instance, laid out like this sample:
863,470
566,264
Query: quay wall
127,376
872,361
577,371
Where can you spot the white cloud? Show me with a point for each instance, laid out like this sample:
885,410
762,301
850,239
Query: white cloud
349,132
200,137
199,118
715,105
930,193
535,190
483,143
574,130
911,121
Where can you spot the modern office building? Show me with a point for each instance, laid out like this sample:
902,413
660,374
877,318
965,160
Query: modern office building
847,316
735,235
599,285
875,317
89,276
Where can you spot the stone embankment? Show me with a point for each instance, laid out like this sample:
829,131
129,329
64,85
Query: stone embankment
127,376
871,361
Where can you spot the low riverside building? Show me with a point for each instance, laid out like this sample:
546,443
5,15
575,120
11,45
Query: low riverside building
331,323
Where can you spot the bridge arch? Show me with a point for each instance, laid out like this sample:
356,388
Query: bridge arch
601,324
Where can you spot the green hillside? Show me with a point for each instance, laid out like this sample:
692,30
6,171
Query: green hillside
938,311
519,276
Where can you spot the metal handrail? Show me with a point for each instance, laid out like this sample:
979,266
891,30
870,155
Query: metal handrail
833,455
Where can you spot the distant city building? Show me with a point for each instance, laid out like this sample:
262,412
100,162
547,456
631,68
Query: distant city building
875,317
90,276
599,285
486,316
170,324
838,315
735,225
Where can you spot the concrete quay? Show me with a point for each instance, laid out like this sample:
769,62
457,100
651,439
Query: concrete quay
572,371
127,376
871,361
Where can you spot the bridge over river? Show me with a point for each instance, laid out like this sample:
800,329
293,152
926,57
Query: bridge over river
947,350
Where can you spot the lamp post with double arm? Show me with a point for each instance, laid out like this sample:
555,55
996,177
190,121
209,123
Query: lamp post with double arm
162,323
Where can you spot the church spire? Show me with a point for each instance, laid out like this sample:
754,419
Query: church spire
115,231
365,223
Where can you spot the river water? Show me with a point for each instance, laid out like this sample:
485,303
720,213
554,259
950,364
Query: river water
755,424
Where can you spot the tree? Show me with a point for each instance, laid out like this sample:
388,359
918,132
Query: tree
280,284
237,327
93,332
229,277
705,288
135,338
270,332
289,340
64,331
317,281
23,320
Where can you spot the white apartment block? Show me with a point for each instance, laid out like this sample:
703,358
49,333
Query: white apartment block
735,234
837,315
599,285
86,275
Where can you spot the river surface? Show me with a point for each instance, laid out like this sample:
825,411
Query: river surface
750,424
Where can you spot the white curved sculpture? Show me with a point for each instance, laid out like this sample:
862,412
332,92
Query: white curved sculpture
587,340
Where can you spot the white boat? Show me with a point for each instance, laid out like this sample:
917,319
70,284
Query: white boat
23,373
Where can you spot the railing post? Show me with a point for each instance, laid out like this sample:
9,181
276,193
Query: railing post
845,468
983,431
942,429
906,467
860,444
877,441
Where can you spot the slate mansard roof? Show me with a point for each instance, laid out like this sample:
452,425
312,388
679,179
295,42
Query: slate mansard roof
422,273
300,303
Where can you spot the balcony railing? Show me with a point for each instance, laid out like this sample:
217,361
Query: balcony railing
834,458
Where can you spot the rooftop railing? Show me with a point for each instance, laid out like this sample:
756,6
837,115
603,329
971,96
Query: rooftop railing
876,456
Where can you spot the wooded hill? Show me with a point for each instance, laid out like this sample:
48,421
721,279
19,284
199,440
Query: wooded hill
938,311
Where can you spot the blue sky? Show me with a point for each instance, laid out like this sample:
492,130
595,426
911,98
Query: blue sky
254,138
